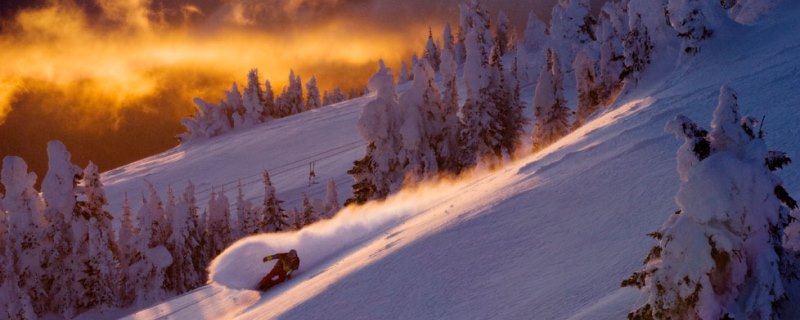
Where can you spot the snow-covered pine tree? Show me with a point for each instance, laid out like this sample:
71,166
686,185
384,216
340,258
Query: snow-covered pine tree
100,266
512,115
219,226
420,122
296,95
571,27
502,33
185,272
313,100
730,226
291,99
65,228
160,229
209,120
695,21
379,173
247,215
649,37
448,143
638,51
23,247
404,76
327,98
270,110
128,233
612,28
480,136
338,95
551,114
536,36
332,200
309,213
234,106
587,85
432,52
149,258
500,95
253,100
274,217
363,172
448,42
169,212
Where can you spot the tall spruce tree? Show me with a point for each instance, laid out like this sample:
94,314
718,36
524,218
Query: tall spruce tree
552,116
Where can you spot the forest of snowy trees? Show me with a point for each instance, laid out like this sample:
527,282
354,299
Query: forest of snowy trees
255,105
61,253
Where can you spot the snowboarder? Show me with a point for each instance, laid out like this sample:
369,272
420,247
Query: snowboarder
287,263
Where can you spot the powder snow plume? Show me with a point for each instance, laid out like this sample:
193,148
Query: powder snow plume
240,266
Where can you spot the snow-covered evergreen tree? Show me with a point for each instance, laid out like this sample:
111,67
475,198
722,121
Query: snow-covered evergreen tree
404,76
448,144
248,217
432,52
331,200
129,255
218,231
64,230
270,110
502,33
512,113
313,101
234,106
274,217
613,27
448,42
695,21
730,226
159,229
185,273
291,99
379,173
649,37
587,85
571,27
480,136
536,37
100,265
23,244
253,100
148,258
420,124
210,120
551,114
309,212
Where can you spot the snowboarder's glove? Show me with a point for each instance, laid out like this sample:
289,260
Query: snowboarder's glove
267,258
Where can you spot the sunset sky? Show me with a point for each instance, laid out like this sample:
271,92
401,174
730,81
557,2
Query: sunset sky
113,78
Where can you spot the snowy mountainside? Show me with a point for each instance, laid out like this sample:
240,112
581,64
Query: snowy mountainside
285,147
547,237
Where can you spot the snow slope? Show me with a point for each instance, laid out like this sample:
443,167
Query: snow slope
548,237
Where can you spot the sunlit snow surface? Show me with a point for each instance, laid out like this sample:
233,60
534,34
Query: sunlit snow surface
548,237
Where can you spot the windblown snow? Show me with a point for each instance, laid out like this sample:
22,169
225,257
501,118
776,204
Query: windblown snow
547,237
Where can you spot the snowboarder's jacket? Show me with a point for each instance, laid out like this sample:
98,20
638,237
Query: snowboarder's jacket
288,261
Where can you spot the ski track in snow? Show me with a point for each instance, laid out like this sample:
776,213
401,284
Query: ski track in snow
550,236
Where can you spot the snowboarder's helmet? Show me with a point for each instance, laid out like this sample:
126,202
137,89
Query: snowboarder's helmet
293,252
